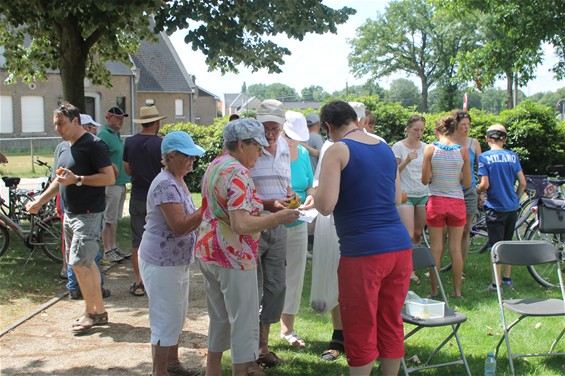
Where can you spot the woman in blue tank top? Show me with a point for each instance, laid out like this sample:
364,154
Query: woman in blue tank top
359,184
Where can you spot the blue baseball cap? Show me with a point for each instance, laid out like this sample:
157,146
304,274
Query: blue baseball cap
180,141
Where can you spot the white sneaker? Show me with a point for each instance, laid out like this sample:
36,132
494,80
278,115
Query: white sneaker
122,253
113,256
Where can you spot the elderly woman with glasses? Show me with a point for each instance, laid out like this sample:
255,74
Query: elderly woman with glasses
227,247
167,250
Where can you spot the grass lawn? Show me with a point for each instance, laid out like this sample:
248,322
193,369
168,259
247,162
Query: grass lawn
479,334
21,166
37,281
29,284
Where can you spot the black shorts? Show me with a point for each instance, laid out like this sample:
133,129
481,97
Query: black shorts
500,225
137,213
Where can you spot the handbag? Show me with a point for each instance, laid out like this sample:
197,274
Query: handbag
551,214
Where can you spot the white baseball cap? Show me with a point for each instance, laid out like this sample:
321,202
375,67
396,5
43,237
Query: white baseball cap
86,119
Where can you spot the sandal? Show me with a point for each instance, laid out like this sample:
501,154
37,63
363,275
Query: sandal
294,339
330,355
269,360
334,350
182,370
137,289
84,323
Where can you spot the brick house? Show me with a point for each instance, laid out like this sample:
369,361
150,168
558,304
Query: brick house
156,77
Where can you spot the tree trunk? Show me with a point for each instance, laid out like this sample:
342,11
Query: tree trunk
424,96
509,84
73,55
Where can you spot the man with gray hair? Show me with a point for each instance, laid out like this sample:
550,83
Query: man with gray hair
271,176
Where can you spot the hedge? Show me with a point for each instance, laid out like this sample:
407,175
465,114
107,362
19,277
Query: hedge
534,133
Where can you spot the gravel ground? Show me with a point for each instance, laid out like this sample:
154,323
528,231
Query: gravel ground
44,344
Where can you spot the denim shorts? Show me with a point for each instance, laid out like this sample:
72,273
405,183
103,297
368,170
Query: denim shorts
82,237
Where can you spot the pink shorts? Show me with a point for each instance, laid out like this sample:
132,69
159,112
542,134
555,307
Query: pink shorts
441,211
371,295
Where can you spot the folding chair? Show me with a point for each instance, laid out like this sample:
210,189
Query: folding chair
422,258
528,252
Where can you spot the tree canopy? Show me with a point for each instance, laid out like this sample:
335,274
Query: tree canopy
512,33
411,37
79,38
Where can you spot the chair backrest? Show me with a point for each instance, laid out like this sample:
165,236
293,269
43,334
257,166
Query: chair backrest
422,258
524,252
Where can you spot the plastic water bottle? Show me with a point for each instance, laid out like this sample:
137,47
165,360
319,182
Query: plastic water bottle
490,365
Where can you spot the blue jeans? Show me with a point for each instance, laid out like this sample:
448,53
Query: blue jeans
72,284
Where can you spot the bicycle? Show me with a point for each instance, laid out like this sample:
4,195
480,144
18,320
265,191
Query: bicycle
41,231
544,274
51,206
537,186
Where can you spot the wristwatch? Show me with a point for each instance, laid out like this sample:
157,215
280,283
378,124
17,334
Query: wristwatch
79,181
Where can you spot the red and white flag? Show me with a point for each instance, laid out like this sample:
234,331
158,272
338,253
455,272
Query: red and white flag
465,102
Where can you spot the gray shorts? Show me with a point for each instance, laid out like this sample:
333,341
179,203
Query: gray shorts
471,200
82,237
271,274
137,213
115,198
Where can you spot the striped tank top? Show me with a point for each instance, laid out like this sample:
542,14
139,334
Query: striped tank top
446,171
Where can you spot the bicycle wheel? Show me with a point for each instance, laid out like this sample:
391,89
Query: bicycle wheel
524,217
4,239
49,238
545,274
478,235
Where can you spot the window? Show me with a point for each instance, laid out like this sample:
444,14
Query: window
7,118
33,119
90,106
179,107
121,103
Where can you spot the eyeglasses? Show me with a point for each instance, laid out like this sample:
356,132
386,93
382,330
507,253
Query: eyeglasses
272,130
258,145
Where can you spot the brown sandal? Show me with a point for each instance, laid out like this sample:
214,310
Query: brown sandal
269,360
137,289
84,323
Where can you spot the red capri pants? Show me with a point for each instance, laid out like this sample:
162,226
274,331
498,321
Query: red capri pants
372,290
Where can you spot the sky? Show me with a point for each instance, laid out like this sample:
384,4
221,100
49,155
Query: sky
322,60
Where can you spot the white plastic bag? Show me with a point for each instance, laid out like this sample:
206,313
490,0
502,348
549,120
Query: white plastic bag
325,259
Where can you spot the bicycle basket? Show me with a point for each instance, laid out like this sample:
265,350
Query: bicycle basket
536,183
551,214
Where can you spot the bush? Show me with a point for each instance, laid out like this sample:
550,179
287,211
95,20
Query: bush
210,138
534,135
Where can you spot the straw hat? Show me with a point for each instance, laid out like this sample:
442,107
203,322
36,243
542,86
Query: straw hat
148,115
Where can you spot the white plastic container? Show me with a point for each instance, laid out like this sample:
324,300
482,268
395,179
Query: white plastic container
426,308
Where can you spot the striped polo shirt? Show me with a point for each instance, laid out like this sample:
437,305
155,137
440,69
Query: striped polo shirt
271,173
446,171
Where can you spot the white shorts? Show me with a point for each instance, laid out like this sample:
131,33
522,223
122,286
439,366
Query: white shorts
115,198
167,290
233,307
